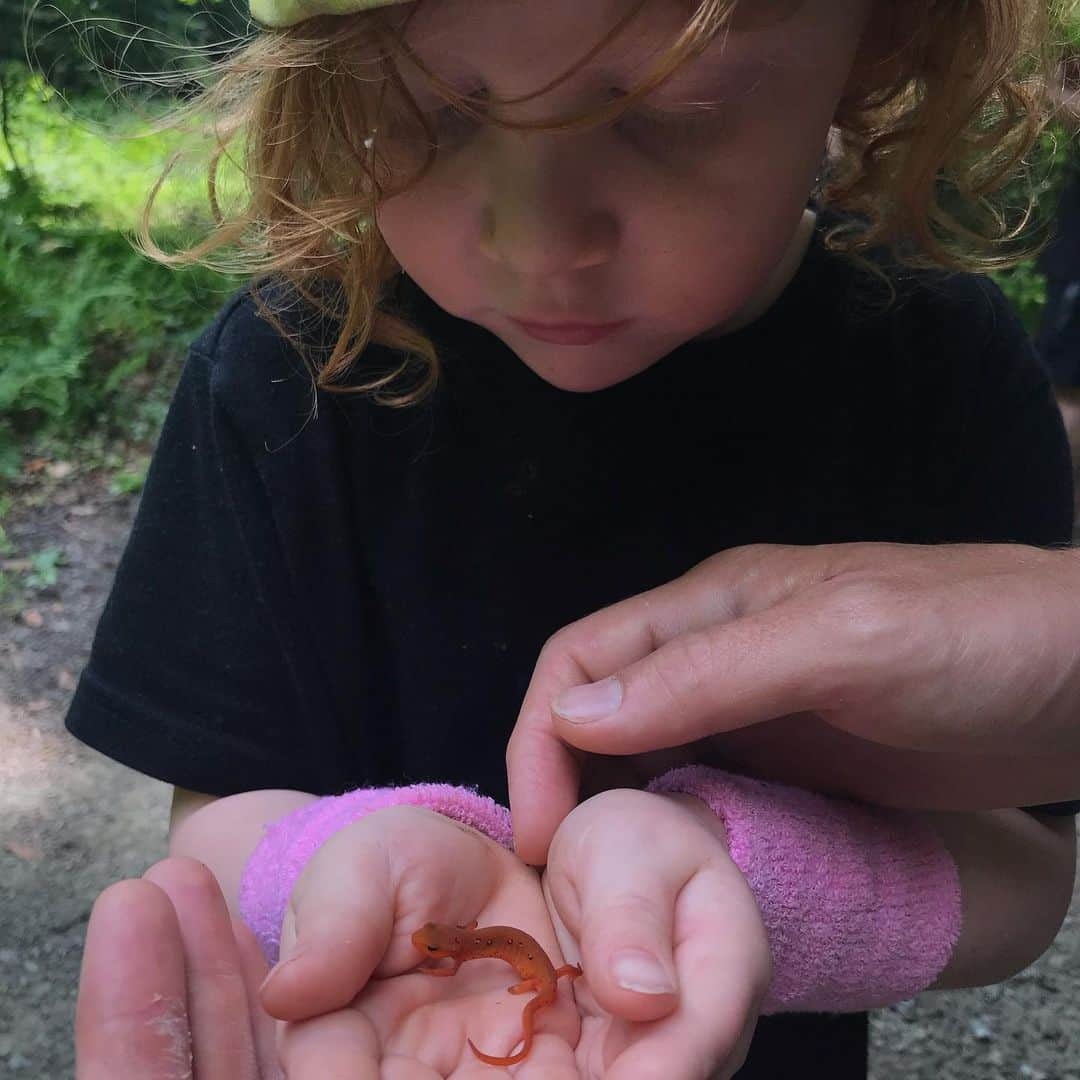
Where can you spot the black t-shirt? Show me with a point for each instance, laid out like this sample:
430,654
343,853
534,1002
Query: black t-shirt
323,593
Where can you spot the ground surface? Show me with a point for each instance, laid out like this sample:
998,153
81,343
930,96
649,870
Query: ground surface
72,821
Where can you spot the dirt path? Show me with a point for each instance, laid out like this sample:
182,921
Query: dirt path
72,821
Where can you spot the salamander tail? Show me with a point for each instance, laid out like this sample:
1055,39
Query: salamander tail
489,1060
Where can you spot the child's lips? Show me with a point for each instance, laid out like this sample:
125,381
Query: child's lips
569,333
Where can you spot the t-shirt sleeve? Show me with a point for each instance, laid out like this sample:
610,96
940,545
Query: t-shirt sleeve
997,454
192,676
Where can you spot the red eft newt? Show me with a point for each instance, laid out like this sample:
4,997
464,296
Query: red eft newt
507,943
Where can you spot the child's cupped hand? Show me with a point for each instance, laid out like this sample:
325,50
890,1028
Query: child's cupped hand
645,896
631,875
344,988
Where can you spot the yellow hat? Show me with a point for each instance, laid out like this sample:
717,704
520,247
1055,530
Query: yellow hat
277,13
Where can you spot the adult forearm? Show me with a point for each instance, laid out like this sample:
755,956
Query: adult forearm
949,675
224,833
806,751
1016,879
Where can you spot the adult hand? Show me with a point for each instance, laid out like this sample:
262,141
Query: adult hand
643,890
169,977
968,653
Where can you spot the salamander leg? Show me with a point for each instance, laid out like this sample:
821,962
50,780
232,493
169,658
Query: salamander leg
442,972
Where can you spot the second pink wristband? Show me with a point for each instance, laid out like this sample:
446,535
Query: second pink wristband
861,904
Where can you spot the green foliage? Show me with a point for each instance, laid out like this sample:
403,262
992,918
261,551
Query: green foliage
1051,163
6,546
78,45
43,566
127,483
90,330
89,155
1066,15
1025,286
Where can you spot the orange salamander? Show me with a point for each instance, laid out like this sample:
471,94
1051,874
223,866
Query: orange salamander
507,943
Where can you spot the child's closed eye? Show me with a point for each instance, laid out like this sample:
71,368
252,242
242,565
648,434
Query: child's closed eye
688,123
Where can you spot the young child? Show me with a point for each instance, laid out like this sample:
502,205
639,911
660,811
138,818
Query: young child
346,586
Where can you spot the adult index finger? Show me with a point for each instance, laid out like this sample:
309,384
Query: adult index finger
131,1018
543,770
645,674
217,1002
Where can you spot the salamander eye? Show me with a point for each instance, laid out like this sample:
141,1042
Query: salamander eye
433,948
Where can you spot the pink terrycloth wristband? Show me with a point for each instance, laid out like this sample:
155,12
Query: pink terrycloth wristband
288,844
861,904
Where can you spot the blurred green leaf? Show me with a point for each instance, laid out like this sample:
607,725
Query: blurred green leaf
127,483
44,563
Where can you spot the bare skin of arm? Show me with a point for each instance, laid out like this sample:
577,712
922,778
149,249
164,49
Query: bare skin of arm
223,832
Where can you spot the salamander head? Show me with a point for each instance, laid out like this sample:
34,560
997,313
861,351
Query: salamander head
437,940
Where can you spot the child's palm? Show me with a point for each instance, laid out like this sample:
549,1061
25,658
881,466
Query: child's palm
632,874
402,1022
424,1023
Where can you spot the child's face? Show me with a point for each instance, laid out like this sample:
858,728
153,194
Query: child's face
680,232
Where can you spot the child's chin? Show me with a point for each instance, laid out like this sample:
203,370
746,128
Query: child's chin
584,376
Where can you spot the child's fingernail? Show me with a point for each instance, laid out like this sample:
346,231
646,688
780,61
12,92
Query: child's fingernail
637,970
591,702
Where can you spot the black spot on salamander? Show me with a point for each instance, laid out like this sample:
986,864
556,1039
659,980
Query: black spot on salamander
477,941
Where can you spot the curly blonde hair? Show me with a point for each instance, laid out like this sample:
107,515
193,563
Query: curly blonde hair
945,111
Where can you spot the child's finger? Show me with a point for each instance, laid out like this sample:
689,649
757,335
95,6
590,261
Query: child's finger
221,1036
131,1018
337,927
724,971
625,876
341,917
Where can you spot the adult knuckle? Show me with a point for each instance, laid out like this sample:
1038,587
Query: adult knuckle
195,875
869,612
683,666
569,646
750,554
